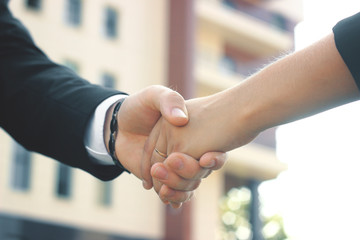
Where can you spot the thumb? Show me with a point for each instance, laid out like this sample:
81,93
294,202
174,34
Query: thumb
172,107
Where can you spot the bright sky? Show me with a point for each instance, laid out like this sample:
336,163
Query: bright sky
319,195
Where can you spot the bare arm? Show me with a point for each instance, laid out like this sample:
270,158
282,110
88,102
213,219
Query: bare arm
299,85
302,84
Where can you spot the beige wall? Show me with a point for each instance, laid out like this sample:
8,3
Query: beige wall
137,59
133,212
206,217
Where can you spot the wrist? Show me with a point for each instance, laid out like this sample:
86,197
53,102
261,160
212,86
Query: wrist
241,109
112,132
108,118
216,123
94,136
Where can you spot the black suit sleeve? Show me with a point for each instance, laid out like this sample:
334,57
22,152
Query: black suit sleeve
347,40
45,106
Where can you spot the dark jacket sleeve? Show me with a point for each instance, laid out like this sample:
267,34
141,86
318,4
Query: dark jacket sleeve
347,40
45,106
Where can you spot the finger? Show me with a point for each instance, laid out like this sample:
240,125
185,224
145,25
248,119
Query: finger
170,103
213,160
157,185
176,205
185,166
173,109
160,172
146,158
174,196
158,155
172,179
146,166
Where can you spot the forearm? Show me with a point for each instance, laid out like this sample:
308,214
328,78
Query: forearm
299,85
45,106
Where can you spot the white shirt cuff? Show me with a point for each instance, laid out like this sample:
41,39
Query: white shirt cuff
94,135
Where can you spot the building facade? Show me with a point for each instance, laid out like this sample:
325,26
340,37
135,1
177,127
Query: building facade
123,44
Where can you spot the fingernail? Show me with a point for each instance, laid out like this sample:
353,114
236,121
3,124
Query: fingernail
176,205
177,112
160,173
210,164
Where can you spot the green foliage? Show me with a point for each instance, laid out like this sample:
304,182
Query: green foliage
234,208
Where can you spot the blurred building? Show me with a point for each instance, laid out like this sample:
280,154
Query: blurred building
124,44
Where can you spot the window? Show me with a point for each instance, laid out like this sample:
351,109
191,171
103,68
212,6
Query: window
228,65
111,22
279,21
33,4
240,61
63,183
73,12
108,80
105,193
21,166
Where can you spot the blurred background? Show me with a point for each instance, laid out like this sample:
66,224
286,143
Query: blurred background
292,188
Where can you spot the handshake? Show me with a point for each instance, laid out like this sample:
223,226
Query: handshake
160,136
152,142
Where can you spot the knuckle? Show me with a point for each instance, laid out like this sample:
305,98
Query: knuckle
153,88
176,155
197,173
147,148
157,186
172,95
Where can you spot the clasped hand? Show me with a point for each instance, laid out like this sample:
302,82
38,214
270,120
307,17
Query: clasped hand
180,173
211,128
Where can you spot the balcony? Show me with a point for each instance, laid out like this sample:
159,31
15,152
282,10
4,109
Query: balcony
212,76
242,29
272,18
253,161
217,73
